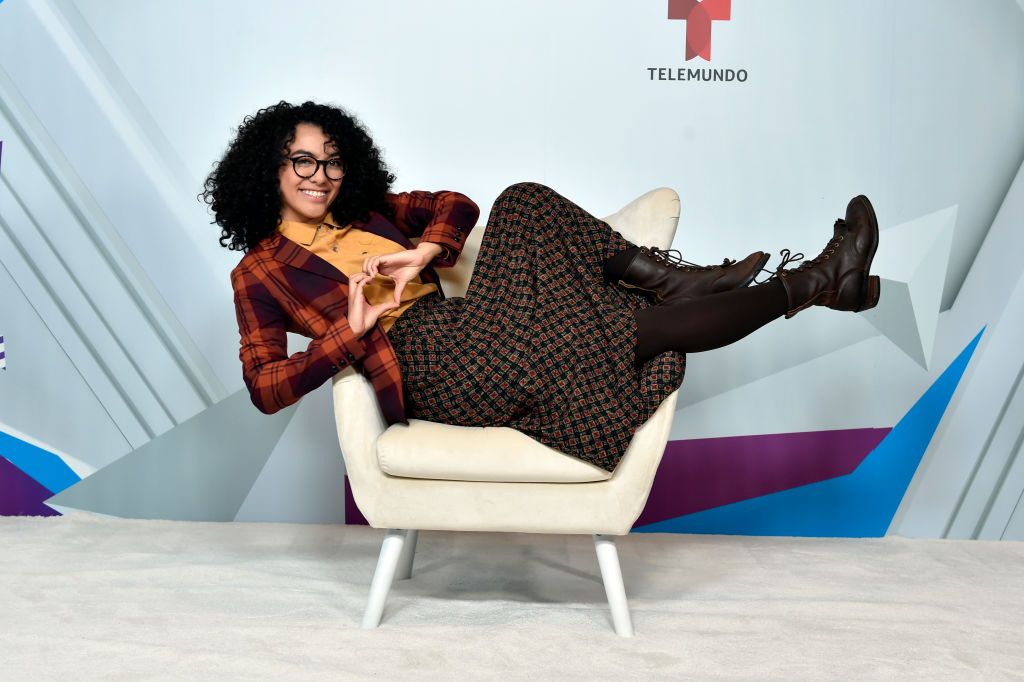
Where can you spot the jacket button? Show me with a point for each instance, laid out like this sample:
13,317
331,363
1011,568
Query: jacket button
350,356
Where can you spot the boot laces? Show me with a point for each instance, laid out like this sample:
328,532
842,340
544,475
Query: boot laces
674,258
789,257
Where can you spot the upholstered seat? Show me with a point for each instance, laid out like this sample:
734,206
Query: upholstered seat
432,476
430,450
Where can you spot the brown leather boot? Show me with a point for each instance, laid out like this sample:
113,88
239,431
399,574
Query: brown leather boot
673,280
839,277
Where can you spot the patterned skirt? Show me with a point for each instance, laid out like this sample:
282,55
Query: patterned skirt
540,342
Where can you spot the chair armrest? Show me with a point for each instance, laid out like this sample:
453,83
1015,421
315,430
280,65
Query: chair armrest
360,423
634,477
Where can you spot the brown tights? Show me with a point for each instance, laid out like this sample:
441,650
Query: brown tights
708,322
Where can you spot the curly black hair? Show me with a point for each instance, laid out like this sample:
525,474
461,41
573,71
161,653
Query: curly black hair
243,189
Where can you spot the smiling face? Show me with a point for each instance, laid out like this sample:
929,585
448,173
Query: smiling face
307,200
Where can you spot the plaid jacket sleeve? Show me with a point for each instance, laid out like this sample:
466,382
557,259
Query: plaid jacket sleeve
275,379
442,217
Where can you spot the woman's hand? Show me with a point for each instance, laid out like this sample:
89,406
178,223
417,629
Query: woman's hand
361,315
402,266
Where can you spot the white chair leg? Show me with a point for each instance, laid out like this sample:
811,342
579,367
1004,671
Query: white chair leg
611,574
404,570
390,551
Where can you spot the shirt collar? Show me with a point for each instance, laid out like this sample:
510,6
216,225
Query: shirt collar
305,232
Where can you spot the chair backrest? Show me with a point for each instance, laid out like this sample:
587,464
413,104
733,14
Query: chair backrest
651,220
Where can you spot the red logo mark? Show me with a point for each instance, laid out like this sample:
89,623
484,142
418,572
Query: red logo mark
698,17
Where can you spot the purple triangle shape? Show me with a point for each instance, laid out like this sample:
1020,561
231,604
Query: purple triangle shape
704,473
20,494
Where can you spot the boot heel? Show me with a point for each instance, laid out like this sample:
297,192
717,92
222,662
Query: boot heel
874,290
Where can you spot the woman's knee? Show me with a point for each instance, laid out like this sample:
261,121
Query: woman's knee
527,190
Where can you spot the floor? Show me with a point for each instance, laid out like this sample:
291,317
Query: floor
87,596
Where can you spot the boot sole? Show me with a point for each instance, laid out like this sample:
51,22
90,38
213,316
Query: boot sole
872,283
756,271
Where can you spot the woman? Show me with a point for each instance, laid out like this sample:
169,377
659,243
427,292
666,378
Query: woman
556,336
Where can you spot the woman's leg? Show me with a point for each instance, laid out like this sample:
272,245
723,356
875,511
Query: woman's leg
839,278
708,322
545,345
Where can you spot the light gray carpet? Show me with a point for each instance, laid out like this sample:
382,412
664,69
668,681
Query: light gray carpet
87,596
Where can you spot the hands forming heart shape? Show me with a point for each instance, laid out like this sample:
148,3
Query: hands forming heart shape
401,267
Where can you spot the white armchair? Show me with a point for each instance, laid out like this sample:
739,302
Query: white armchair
441,477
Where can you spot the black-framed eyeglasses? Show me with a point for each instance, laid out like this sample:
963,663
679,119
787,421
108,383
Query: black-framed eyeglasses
306,166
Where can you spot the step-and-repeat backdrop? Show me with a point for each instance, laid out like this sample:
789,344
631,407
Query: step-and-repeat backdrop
120,385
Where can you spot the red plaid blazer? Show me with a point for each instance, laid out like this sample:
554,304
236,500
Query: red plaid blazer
280,286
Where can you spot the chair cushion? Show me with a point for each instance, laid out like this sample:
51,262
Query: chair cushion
426,449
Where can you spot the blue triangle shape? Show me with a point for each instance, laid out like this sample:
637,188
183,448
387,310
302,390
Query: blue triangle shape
42,465
859,504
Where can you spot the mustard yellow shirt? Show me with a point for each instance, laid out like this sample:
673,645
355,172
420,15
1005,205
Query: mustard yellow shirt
346,247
